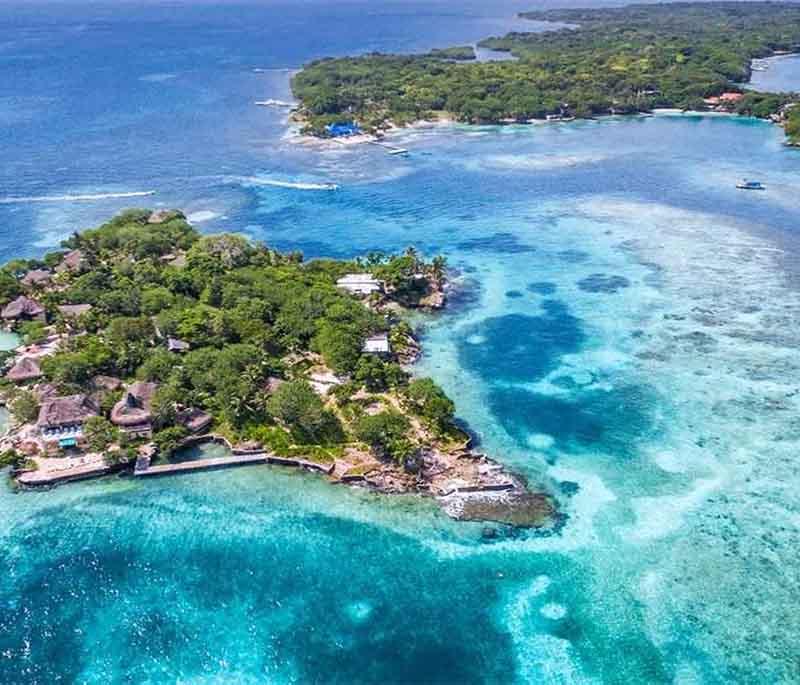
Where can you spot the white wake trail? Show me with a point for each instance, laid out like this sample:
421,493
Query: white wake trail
73,198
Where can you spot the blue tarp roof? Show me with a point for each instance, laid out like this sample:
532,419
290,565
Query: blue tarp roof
343,128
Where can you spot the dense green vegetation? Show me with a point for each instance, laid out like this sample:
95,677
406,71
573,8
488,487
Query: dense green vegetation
627,59
793,125
256,322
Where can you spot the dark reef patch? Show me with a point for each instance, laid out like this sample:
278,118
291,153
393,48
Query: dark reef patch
542,288
514,294
502,242
463,294
517,347
610,421
603,283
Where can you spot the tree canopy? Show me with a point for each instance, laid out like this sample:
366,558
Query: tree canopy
626,59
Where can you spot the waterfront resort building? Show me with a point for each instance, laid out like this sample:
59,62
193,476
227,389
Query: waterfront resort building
61,421
133,412
360,284
23,309
378,345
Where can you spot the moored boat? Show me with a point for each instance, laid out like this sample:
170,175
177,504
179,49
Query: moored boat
750,185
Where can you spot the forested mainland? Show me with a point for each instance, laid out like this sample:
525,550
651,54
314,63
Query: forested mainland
593,62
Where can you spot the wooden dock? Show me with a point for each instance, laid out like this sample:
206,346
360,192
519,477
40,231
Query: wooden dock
44,478
227,462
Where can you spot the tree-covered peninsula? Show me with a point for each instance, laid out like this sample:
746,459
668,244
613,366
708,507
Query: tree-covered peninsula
596,61
142,337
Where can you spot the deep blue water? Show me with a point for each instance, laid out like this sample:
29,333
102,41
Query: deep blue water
624,333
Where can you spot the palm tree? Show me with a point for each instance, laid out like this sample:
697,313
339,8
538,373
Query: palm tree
438,268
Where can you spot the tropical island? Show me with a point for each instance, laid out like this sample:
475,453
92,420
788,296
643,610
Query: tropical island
142,338
625,60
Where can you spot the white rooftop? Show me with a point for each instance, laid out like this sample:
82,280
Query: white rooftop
377,344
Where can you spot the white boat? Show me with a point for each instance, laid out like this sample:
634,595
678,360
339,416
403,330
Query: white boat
273,103
750,185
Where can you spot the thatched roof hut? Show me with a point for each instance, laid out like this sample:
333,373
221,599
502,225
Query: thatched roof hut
25,369
195,420
23,308
73,261
62,412
162,215
134,409
36,277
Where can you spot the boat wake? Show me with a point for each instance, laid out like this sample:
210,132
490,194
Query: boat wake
295,185
73,198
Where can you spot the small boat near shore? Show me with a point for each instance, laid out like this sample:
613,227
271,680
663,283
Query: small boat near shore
273,103
750,185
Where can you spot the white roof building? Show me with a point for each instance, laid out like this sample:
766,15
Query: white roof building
377,344
360,284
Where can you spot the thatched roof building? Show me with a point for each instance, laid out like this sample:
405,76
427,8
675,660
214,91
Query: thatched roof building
195,420
25,369
162,215
133,412
36,277
73,261
65,412
23,308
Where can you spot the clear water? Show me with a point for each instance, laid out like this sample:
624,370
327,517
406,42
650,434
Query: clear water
781,76
625,334
204,451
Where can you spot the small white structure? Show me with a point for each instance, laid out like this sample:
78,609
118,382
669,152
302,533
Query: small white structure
377,344
360,284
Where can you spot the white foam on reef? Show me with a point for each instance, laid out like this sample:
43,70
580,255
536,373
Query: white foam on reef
536,162
278,183
201,216
74,198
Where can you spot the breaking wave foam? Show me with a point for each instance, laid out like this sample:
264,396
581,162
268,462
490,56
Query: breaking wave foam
296,185
73,198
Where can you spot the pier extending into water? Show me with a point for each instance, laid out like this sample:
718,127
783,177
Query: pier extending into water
143,467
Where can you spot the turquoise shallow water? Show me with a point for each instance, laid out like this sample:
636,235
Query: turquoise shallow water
624,332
